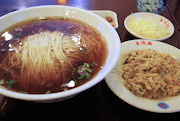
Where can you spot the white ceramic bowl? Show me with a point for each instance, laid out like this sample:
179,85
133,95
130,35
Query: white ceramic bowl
106,30
114,80
155,19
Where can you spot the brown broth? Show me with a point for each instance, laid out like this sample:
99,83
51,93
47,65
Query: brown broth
67,26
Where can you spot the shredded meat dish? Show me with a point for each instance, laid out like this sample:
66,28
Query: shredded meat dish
151,74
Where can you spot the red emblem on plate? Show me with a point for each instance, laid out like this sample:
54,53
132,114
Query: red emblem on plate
149,43
143,42
137,43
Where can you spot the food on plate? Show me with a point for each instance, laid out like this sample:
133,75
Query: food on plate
151,74
110,20
148,28
50,54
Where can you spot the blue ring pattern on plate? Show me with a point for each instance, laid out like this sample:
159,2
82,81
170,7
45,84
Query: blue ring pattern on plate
163,105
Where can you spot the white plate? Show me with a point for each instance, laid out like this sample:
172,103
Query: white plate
158,19
114,80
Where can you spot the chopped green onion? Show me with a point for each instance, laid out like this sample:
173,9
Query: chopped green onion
18,34
88,76
91,64
41,21
140,90
51,19
85,70
61,18
48,92
34,22
2,82
94,63
82,76
7,73
10,83
83,50
32,82
87,65
89,70
75,82
74,69
9,86
23,92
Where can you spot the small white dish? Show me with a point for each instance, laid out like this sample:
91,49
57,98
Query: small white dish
145,21
108,14
114,80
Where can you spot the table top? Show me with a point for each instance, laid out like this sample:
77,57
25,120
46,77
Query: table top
97,103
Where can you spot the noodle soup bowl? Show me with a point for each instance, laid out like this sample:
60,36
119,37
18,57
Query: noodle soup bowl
101,25
115,81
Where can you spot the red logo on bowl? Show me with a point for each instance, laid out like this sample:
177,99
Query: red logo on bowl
163,105
143,42
164,22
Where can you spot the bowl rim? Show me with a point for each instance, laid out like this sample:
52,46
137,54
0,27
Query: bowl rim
90,83
151,14
111,81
